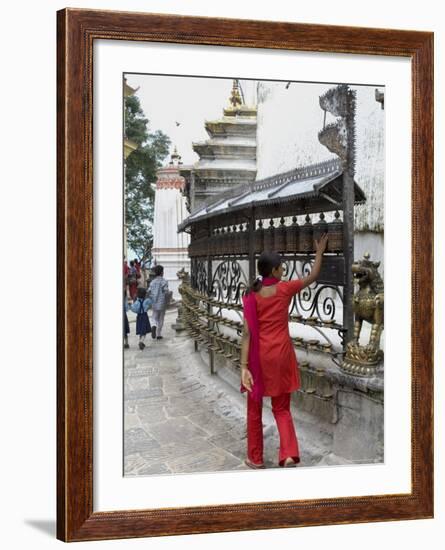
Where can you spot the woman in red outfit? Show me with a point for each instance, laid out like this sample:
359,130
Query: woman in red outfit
268,363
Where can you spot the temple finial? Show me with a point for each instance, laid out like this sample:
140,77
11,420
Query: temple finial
235,97
175,157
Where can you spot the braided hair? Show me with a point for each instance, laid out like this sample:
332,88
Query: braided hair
267,261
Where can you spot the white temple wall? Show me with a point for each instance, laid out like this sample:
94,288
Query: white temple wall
288,123
169,246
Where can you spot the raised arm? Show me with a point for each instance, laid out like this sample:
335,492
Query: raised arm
320,247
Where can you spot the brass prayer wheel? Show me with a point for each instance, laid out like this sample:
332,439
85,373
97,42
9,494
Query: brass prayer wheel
233,242
306,236
213,245
280,237
235,247
319,228
259,238
335,234
227,248
223,241
230,240
243,239
292,236
216,242
269,237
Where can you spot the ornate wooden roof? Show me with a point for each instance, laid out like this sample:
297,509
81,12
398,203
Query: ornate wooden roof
313,188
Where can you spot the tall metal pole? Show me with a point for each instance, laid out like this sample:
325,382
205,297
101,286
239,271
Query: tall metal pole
348,219
340,101
210,324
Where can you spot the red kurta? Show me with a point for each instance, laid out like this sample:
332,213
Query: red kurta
279,366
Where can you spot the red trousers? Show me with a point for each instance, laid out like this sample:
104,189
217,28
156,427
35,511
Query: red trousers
285,425
133,288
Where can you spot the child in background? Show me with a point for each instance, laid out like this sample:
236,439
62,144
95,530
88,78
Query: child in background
140,307
133,281
126,323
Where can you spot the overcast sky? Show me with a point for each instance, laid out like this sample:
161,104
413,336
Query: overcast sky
190,101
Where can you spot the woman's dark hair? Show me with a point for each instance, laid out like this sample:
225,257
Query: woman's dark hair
158,270
142,292
266,262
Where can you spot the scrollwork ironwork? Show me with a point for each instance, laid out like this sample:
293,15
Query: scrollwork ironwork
312,300
198,277
229,281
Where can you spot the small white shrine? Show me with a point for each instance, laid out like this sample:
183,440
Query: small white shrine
169,246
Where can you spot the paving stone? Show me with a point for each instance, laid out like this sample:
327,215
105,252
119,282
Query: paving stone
153,469
227,441
143,393
152,401
190,384
175,430
197,393
171,389
243,467
209,422
155,382
136,440
131,420
168,368
151,414
130,407
157,453
180,406
172,451
141,371
133,463
138,383
213,461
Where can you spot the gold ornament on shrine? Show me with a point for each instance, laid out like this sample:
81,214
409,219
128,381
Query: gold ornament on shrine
368,305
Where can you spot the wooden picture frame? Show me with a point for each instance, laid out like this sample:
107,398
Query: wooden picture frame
77,31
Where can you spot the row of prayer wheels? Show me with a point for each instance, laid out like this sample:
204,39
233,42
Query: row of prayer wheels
228,346
294,238
315,381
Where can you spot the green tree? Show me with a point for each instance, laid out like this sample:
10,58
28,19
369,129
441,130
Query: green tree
140,172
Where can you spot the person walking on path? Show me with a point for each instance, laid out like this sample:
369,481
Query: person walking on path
126,323
269,366
133,281
158,293
140,306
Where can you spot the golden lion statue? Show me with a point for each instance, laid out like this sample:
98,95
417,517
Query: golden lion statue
368,306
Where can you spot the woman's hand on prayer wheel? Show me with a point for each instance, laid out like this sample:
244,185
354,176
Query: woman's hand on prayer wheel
320,245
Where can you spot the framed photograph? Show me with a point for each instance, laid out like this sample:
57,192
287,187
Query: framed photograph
234,198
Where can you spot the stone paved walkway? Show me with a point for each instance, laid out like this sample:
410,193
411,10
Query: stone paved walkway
181,419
